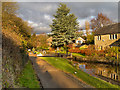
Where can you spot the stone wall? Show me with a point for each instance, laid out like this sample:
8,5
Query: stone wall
13,60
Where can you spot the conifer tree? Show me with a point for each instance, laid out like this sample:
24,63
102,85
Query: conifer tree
64,27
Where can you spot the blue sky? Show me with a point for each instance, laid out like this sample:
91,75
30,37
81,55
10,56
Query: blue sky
40,14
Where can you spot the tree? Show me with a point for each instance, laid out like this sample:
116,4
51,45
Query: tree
87,27
32,41
100,21
42,41
90,38
38,42
9,7
11,21
64,27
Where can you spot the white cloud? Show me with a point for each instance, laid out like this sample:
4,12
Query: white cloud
40,15
47,17
42,29
48,8
33,24
82,21
30,22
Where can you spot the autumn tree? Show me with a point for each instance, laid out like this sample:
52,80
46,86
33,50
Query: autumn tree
38,42
100,21
32,41
42,41
8,11
10,20
64,27
87,27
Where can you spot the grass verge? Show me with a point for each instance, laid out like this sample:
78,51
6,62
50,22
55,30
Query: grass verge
64,65
78,54
28,78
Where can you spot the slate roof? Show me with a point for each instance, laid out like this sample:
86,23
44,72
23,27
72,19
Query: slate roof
110,29
116,43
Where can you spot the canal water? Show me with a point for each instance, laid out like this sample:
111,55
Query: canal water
104,70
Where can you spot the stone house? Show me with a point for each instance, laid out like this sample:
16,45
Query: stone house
106,36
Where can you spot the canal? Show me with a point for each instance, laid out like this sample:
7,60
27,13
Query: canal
106,72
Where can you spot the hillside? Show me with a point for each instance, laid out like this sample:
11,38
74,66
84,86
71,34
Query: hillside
14,57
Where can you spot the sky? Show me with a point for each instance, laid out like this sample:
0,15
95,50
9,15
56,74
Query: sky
40,14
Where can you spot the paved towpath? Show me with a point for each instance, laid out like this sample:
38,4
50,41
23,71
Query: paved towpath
51,77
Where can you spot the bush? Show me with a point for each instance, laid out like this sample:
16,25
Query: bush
90,51
76,50
83,47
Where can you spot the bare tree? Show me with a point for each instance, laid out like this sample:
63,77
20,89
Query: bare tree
100,21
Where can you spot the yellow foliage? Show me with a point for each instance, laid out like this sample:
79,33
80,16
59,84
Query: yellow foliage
84,47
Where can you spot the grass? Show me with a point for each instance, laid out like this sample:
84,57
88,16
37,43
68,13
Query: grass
28,78
78,54
64,65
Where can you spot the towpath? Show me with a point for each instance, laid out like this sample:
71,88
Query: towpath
50,77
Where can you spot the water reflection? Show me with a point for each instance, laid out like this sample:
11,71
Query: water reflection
112,72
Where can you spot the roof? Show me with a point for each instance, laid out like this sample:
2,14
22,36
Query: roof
80,38
116,43
110,29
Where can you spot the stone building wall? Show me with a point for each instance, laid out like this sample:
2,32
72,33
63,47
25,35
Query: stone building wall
105,41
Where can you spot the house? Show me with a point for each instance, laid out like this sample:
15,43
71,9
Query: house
79,40
106,36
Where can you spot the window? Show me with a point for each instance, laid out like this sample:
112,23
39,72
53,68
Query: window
110,36
79,42
115,36
99,38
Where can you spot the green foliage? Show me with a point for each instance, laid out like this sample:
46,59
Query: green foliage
115,49
78,54
64,27
83,47
90,38
64,65
28,78
33,49
62,49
